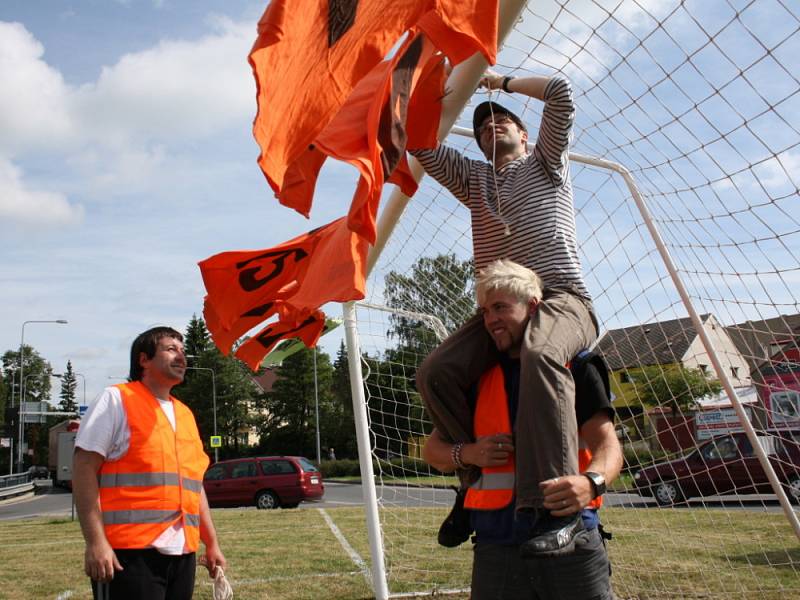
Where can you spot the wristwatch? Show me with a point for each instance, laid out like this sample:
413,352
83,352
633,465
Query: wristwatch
598,483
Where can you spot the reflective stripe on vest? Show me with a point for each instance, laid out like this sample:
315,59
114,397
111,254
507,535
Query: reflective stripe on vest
494,489
148,479
158,482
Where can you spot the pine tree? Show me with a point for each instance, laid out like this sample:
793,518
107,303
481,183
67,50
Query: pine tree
345,439
69,383
197,339
209,371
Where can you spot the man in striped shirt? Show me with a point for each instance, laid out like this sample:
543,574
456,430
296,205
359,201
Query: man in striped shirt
521,209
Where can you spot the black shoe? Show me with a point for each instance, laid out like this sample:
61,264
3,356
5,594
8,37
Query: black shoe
552,536
456,528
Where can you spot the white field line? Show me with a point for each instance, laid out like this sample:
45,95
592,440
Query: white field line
263,580
354,556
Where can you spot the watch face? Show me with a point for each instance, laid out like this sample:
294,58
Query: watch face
598,482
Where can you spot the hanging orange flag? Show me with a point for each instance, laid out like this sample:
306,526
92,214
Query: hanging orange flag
292,280
253,351
369,132
226,337
310,54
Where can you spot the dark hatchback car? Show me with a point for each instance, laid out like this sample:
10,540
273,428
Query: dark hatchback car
266,482
725,465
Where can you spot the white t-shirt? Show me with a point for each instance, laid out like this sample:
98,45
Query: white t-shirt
104,429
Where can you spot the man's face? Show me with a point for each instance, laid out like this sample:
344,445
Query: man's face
502,132
505,318
168,363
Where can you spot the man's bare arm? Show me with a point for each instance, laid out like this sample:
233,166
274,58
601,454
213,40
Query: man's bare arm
100,562
486,451
532,86
570,494
213,556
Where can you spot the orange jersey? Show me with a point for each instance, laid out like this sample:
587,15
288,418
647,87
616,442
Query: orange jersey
292,281
310,55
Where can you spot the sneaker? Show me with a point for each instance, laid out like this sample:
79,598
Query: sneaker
552,536
456,528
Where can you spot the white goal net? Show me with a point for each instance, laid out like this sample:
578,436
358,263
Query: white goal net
700,102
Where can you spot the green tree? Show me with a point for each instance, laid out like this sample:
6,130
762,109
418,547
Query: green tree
442,286
36,372
37,388
5,401
69,383
339,428
288,421
197,339
673,386
209,372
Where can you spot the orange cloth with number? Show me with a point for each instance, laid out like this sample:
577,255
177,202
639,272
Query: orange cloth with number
292,280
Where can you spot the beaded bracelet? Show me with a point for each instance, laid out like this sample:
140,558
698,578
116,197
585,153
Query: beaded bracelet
455,455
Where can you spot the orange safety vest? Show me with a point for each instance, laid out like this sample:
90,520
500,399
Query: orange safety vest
158,481
494,489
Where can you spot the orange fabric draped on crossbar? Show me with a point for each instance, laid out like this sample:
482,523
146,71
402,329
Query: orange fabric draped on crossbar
310,54
381,118
292,280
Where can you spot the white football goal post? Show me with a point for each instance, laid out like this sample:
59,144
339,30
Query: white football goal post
685,168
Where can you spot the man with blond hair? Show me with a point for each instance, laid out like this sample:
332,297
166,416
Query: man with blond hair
521,208
504,568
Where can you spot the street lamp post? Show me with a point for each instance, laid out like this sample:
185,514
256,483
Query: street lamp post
213,398
22,381
316,404
21,414
84,386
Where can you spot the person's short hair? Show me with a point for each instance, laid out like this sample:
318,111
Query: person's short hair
510,277
147,342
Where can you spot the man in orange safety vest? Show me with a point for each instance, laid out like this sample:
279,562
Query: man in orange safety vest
504,568
138,481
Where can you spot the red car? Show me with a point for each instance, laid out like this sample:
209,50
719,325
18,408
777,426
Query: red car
725,465
266,482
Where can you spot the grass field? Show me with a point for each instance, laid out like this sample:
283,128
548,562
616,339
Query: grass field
294,555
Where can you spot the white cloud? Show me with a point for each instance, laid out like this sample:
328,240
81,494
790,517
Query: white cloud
780,173
121,130
175,90
23,205
130,169
33,111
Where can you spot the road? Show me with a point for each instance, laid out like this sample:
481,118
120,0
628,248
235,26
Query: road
57,503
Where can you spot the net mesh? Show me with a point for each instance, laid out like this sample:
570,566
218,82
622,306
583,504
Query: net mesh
700,102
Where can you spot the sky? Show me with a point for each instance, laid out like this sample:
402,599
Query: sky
126,157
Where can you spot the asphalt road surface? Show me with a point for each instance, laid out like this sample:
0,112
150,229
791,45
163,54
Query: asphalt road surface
57,503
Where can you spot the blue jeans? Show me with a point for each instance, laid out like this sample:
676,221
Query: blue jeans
498,573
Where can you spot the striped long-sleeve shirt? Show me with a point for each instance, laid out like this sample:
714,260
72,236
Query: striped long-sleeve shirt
533,223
